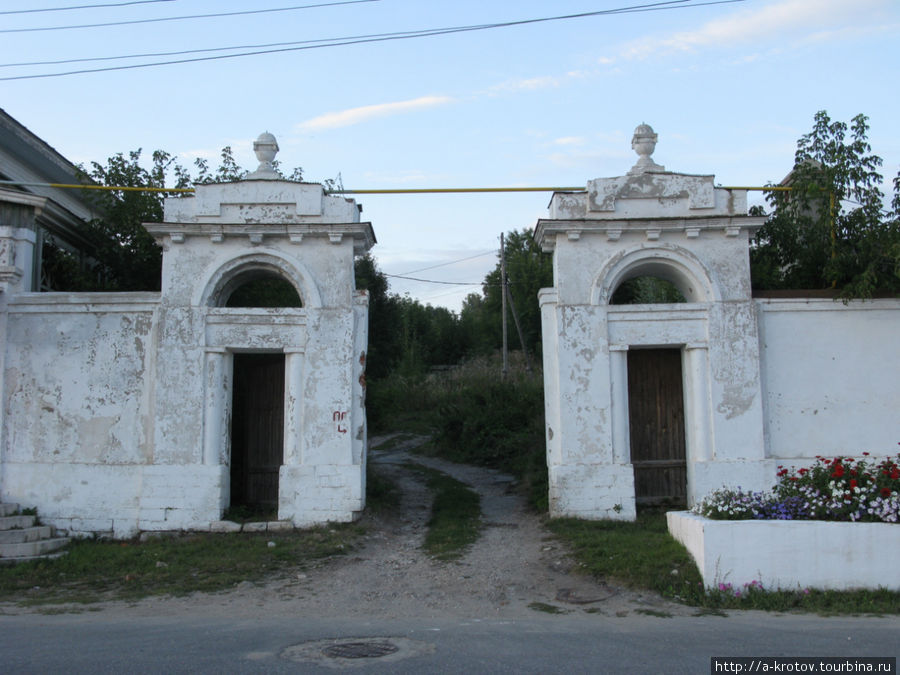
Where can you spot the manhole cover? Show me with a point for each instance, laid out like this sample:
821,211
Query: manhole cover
354,652
360,650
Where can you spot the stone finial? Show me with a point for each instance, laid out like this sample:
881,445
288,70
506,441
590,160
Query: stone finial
644,143
265,147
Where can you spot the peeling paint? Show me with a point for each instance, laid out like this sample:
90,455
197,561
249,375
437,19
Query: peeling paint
118,405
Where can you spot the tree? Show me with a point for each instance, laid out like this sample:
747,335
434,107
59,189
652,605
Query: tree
528,270
831,229
127,258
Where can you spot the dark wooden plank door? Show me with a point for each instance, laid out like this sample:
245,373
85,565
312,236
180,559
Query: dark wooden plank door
656,412
257,429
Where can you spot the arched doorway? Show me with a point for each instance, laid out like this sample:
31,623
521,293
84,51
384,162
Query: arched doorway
657,439
258,396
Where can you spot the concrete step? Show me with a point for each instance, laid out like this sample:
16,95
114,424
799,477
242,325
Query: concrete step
16,522
8,509
32,548
26,534
28,558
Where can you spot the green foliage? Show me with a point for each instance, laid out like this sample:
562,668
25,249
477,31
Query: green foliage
639,554
528,270
642,555
265,292
455,522
405,336
475,416
831,229
98,570
646,290
227,172
127,257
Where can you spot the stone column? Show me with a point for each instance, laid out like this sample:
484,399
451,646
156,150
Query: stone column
697,398
621,438
293,404
216,405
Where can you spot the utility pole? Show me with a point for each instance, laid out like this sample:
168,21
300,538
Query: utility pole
515,314
503,292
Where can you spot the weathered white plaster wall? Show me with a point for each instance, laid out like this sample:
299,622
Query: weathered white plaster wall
831,376
77,409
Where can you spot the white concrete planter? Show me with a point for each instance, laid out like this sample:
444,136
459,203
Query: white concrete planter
790,554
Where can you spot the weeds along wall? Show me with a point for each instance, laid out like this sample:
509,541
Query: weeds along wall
117,408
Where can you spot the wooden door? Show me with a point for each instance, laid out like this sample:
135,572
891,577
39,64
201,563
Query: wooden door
257,429
656,412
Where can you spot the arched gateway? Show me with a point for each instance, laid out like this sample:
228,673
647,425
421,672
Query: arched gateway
637,396
161,410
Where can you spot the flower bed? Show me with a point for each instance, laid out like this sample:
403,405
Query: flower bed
831,526
790,554
839,489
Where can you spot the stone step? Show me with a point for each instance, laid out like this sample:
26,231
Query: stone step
16,522
8,509
32,548
26,534
28,558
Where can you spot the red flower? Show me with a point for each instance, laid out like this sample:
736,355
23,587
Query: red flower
803,471
885,492
853,483
866,454
838,471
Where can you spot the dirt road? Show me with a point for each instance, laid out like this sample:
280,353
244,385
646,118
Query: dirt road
514,570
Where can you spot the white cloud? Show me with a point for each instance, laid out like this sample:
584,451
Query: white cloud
346,118
529,84
774,22
569,140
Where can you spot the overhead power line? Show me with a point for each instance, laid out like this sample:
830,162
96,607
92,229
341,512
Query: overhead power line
433,281
363,39
71,7
452,262
182,18
398,191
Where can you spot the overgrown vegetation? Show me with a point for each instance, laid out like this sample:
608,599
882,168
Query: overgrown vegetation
475,417
98,570
642,555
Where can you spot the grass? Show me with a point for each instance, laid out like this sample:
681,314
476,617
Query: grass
642,555
547,609
455,522
382,494
100,570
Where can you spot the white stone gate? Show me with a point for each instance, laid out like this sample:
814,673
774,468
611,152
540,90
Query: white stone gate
118,406
747,403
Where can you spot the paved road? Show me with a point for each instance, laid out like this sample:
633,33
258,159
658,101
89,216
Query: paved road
95,642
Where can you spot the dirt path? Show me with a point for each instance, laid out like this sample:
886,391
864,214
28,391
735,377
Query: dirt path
515,569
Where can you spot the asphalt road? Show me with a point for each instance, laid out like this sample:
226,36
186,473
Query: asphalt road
95,642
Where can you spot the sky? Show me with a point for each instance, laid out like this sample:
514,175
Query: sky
729,87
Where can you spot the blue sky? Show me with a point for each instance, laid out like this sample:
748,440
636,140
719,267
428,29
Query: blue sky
728,87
